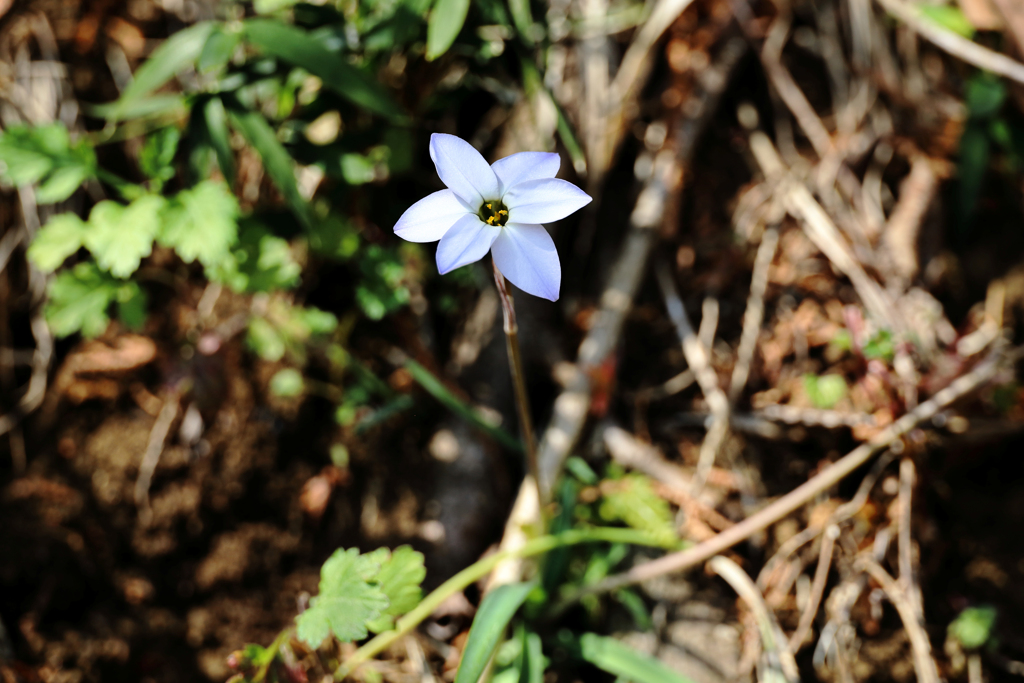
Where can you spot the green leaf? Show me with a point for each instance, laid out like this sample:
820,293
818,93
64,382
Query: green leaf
119,237
523,19
170,105
276,160
973,626
158,152
825,391
948,17
215,120
131,305
633,501
78,300
985,94
57,240
532,662
271,6
496,610
626,662
23,156
200,223
286,383
60,184
265,340
444,25
260,262
218,49
880,346
401,573
297,47
346,601
177,52
438,390
46,153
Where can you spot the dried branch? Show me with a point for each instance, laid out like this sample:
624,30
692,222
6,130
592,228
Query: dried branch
697,358
921,647
796,641
753,316
956,45
773,642
804,493
821,230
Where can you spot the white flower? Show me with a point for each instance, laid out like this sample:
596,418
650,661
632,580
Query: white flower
496,208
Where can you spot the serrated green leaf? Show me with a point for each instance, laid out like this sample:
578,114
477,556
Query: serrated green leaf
619,659
200,223
400,576
446,20
260,262
276,160
496,610
56,241
346,601
173,55
825,391
119,237
23,160
301,49
78,301
633,501
45,153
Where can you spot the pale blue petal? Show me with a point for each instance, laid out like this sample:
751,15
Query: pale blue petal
463,170
526,255
429,219
517,168
465,242
543,201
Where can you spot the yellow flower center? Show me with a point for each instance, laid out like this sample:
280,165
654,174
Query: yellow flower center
494,213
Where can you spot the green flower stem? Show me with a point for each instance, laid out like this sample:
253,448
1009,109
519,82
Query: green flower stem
515,363
271,654
476,571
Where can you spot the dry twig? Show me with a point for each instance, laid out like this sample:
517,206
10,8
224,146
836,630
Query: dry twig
954,44
908,575
799,496
753,316
773,642
796,641
924,665
821,230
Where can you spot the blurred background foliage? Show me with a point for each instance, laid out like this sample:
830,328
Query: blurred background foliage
268,152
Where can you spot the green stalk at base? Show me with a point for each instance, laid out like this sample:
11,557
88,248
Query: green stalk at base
477,571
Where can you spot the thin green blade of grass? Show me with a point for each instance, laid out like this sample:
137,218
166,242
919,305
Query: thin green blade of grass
438,390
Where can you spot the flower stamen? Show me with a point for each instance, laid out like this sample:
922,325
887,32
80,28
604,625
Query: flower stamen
494,213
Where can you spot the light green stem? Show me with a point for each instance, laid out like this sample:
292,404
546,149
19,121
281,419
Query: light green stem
477,571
